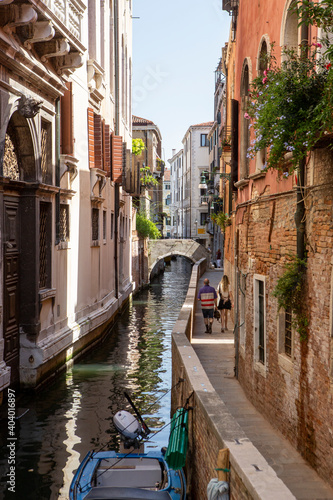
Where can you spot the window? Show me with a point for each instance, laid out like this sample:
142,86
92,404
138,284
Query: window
242,308
261,156
203,218
95,224
288,333
64,223
261,344
259,319
104,225
245,131
112,225
45,236
46,152
204,140
286,339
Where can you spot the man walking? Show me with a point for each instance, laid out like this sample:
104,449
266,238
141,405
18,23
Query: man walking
208,297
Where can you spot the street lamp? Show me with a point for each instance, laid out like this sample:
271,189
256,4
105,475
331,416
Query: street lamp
203,181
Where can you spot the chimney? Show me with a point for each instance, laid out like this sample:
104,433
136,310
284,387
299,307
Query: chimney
173,152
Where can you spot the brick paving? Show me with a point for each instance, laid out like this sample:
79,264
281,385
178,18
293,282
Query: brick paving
216,354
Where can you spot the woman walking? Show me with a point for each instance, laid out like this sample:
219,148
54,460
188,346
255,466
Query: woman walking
224,301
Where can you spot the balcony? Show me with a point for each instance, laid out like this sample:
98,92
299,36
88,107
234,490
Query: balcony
230,6
52,29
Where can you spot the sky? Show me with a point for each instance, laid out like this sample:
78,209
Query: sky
177,45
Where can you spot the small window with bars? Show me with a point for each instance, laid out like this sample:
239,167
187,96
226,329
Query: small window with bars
261,345
64,223
46,151
95,224
45,228
288,333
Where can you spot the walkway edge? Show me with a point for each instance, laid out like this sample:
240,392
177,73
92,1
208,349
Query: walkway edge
211,426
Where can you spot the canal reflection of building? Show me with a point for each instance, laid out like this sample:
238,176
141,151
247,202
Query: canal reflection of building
74,414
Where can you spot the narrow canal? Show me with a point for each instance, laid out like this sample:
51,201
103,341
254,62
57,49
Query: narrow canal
74,414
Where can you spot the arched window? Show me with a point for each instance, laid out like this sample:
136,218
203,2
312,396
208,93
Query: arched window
244,123
262,65
289,28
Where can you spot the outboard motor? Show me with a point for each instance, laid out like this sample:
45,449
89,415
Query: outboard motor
128,427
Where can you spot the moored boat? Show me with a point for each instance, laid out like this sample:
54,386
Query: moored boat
117,476
131,473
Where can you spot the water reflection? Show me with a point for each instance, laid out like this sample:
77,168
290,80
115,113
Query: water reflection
74,415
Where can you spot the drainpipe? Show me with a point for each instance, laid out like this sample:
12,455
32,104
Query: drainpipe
300,209
116,187
57,170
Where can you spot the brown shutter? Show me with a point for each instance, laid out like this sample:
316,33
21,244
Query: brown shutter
91,138
98,141
66,121
107,148
234,142
117,158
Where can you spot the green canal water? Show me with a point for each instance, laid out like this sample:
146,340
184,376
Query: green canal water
74,414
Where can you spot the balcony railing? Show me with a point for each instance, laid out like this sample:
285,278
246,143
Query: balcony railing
69,13
230,5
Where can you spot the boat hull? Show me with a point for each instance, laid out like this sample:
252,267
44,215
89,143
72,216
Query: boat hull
115,476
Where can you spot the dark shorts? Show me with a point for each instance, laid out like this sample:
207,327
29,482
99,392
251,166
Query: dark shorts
208,313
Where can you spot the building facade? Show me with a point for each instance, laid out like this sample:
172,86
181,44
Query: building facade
65,147
151,194
166,204
177,194
287,376
195,201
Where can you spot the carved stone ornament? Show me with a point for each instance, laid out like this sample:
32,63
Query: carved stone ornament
29,107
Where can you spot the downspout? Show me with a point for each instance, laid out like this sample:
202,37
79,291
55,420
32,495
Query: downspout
116,186
57,170
300,209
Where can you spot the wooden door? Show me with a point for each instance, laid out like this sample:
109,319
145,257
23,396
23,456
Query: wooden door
11,286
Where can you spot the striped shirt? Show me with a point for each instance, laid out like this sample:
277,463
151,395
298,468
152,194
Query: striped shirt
207,294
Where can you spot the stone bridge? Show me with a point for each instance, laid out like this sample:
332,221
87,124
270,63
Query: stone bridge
160,249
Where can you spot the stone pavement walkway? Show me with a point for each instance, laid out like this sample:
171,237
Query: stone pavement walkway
216,354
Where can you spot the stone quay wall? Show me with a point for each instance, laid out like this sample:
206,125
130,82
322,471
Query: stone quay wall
211,426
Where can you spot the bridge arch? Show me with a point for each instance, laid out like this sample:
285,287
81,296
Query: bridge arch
163,248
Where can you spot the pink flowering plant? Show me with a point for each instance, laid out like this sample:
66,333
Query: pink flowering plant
290,106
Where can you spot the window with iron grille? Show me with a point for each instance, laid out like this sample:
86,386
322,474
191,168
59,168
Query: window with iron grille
64,223
261,323
288,337
95,224
45,227
104,224
46,153
259,319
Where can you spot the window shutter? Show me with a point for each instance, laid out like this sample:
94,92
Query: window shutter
91,145
66,120
98,141
107,149
117,158
234,141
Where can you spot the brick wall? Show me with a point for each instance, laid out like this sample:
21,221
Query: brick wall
211,427
295,394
